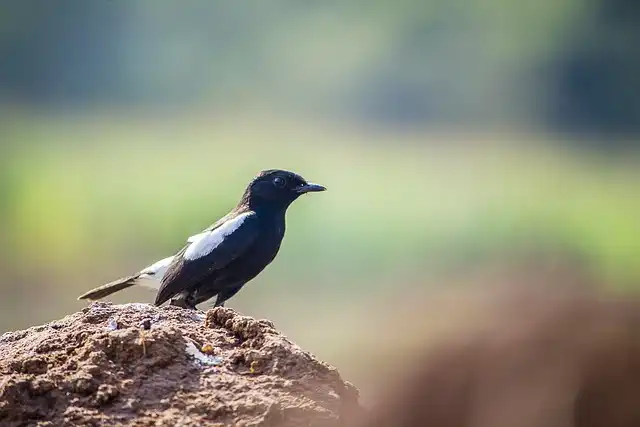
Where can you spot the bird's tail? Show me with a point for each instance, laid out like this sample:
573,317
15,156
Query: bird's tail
111,287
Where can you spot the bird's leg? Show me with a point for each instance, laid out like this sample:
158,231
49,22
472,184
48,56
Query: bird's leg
184,300
225,294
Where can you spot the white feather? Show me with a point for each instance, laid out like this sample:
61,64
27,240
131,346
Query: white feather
196,237
155,272
204,243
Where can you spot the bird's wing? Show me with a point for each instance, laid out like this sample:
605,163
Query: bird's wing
215,225
157,269
207,252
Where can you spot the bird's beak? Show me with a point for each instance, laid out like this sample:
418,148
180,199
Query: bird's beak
310,188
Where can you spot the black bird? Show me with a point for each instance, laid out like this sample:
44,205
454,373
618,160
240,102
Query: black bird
222,258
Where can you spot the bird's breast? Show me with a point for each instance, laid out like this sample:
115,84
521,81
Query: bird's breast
268,243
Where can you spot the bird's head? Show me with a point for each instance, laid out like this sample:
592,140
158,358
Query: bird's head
275,188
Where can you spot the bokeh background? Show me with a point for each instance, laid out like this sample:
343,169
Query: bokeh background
462,142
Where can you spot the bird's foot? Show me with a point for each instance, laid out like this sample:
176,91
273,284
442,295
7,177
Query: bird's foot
183,301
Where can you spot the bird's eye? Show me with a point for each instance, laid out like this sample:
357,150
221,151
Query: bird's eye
279,182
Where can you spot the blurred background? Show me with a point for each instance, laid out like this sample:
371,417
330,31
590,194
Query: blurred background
464,144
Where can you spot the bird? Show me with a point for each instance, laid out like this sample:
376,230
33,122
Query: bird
221,259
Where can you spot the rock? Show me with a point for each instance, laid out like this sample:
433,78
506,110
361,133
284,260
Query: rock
135,364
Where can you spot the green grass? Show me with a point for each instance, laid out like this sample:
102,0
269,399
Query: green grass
132,186
90,198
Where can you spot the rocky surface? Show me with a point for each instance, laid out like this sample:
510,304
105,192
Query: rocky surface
136,364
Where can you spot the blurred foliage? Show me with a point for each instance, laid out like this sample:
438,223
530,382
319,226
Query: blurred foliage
93,189
570,64
597,88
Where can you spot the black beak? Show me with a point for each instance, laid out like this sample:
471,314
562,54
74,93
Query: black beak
310,188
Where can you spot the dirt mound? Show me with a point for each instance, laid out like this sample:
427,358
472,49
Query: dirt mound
136,364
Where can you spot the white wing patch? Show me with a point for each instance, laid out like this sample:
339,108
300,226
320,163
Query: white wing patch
197,236
156,270
204,243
